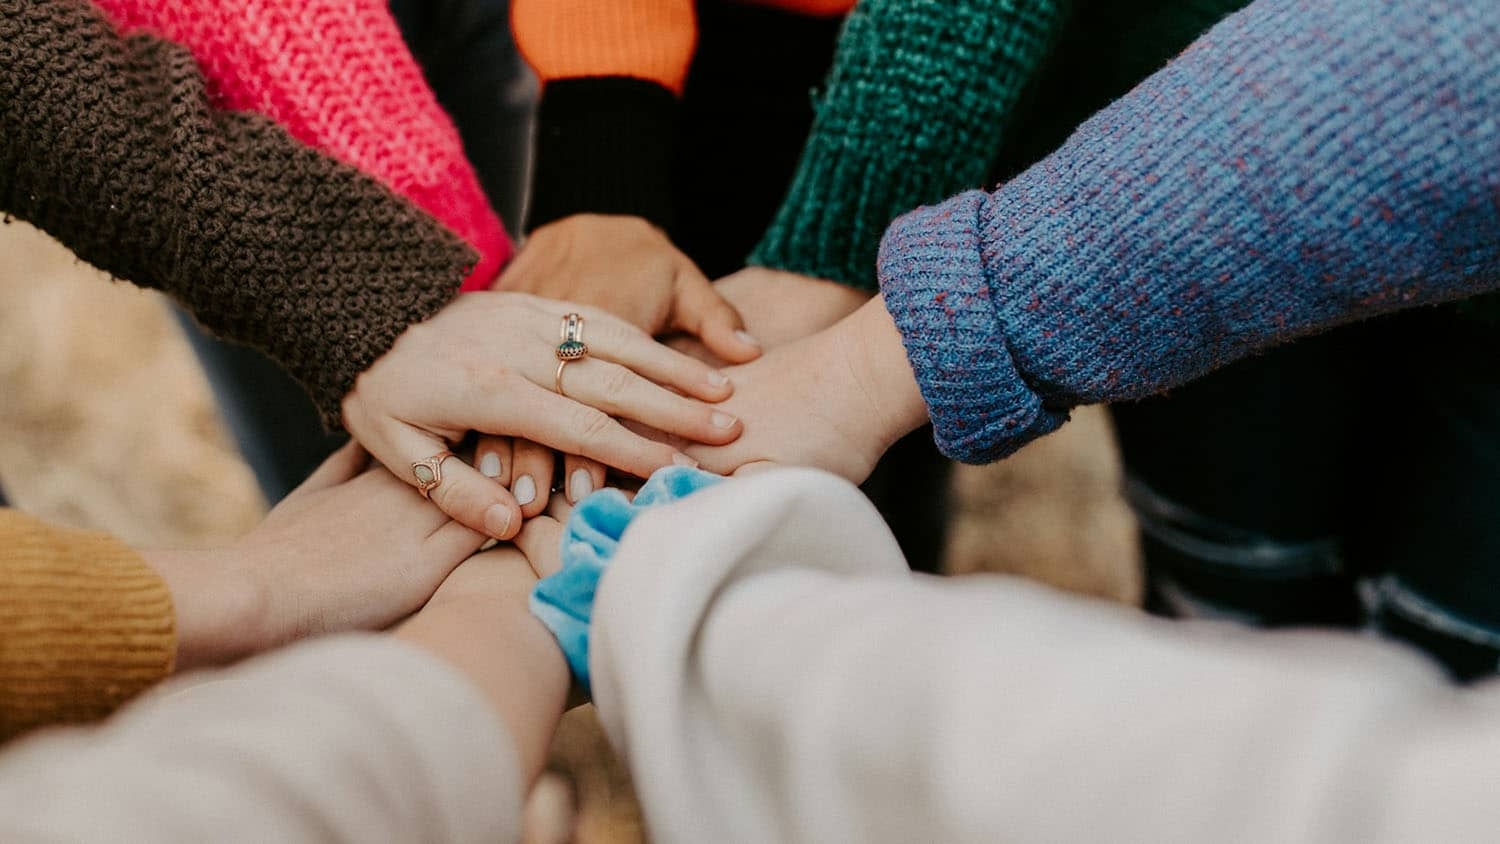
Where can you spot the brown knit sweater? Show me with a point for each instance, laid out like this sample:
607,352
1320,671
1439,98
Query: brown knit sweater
110,145
85,624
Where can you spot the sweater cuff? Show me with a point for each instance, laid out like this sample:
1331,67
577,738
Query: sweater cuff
830,224
85,625
939,292
604,146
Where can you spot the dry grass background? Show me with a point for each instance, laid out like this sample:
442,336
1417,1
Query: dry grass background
106,422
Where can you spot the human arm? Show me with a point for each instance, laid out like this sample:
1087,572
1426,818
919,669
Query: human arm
1244,196
776,673
914,110
430,733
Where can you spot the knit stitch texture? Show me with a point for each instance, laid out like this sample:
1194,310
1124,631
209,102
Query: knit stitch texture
1305,164
111,145
85,625
338,77
914,110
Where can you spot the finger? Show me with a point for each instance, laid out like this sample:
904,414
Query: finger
620,392
343,465
610,338
581,476
531,475
493,459
453,541
701,311
465,495
567,426
541,541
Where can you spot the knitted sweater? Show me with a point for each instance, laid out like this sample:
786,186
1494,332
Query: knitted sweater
85,624
1303,165
113,147
337,76
611,71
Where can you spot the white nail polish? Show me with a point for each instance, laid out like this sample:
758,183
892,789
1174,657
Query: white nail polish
524,489
580,484
717,379
722,420
746,337
684,460
489,465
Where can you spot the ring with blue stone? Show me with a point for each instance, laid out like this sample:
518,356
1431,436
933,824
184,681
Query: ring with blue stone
572,346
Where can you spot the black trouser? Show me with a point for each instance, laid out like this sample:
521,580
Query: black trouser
1346,479
466,52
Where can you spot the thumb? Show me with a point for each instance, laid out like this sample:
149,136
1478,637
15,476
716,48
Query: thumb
700,310
340,466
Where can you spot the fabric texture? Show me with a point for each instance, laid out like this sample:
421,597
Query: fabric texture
112,146
356,738
772,673
338,77
564,600
920,96
85,625
1303,165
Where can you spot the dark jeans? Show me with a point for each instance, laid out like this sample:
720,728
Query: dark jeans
466,52
1347,479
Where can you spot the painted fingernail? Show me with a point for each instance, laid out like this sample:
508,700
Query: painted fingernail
580,484
723,420
524,489
684,460
747,337
718,379
497,520
489,465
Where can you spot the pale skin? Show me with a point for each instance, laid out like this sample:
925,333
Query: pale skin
628,267
486,363
350,549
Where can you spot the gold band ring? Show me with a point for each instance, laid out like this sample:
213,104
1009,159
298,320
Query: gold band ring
429,473
571,347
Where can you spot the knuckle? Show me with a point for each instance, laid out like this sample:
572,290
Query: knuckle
591,424
617,381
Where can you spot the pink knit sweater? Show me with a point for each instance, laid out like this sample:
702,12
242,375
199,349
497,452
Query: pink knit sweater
338,77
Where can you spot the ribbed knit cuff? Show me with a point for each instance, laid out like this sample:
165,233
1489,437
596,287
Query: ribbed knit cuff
604,146
85,624
939,293
913,112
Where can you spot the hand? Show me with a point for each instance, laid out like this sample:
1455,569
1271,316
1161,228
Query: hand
778,307
628,267
348,550
487,363
835,400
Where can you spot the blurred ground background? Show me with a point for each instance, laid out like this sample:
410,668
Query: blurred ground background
106,422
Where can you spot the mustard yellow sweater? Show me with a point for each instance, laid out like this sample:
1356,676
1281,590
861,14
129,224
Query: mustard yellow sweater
85,624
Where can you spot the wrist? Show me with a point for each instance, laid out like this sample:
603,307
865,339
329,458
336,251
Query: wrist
219,605
873,353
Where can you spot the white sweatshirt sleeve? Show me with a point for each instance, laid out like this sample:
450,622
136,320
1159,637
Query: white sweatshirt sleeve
346,739
771,672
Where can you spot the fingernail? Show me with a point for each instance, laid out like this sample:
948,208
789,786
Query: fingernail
747,337
524,489
684,460
580,484
718,379
489,465
722,420
497,520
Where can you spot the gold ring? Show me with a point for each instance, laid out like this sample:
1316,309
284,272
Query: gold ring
571,346
429,473
560,365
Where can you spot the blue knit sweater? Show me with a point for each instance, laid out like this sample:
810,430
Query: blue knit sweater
1306,163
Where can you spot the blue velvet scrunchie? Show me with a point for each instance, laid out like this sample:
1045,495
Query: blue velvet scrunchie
564,601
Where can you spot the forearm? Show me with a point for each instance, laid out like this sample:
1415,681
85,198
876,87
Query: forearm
348,739
915,108
1301,166
111,146
510,658
782,676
